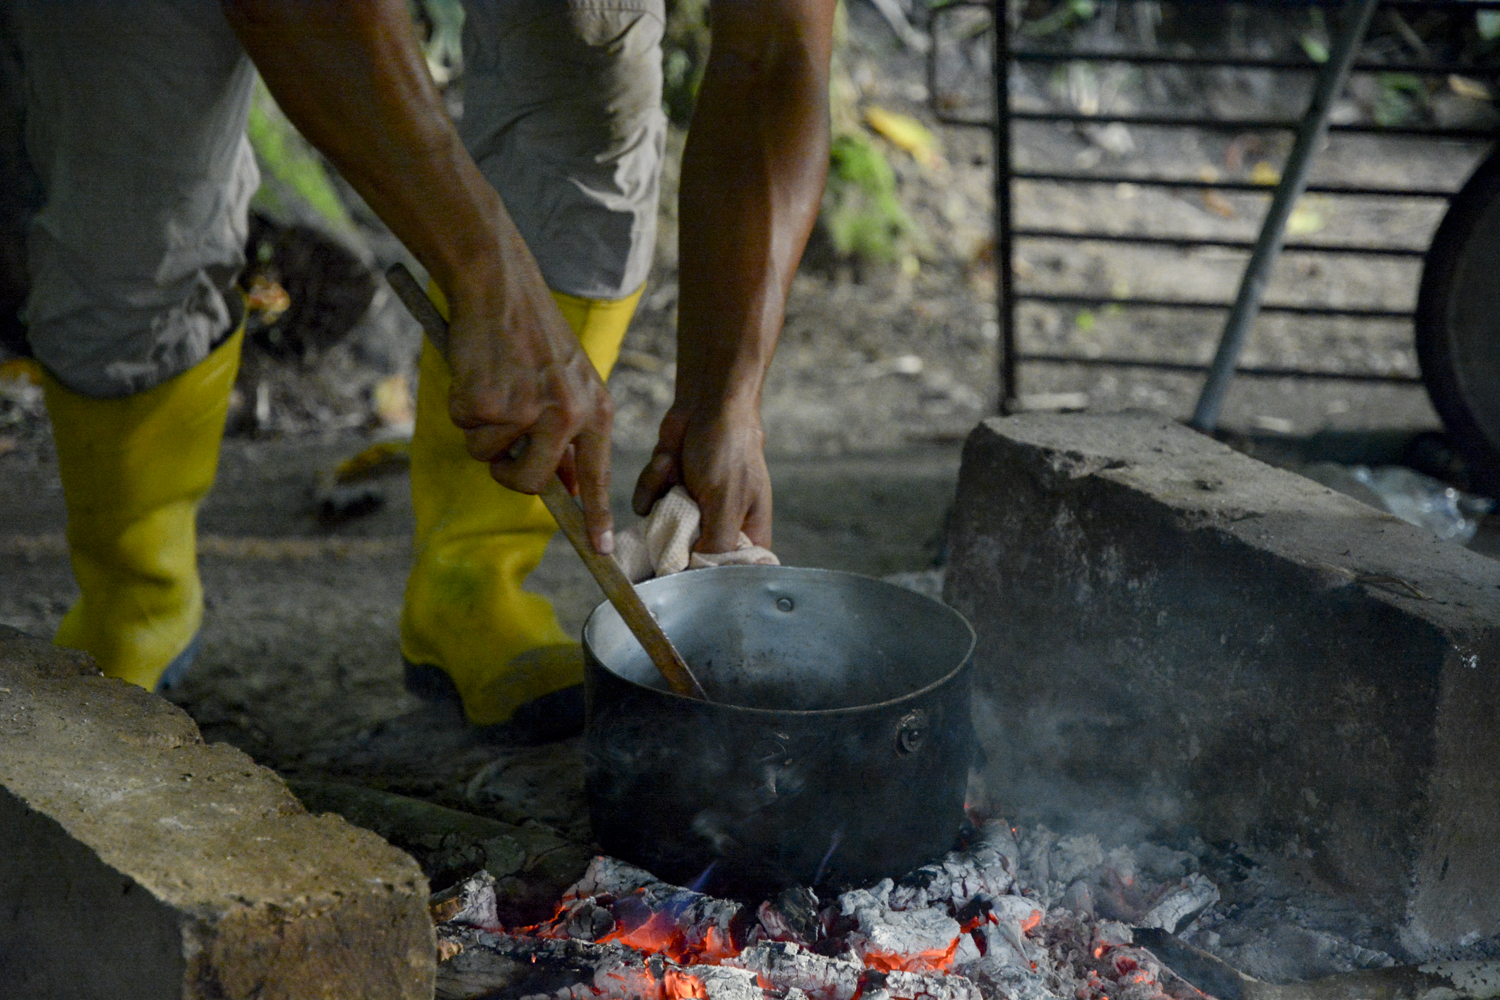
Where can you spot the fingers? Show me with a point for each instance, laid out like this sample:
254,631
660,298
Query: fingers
659,476
527,472
744,506
591,476
720,526
758,521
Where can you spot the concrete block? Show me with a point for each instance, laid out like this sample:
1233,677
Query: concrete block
1173,633
138,862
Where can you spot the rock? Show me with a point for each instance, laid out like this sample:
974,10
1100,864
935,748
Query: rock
1173,633
137,861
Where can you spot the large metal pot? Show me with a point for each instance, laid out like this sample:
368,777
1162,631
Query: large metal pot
835,749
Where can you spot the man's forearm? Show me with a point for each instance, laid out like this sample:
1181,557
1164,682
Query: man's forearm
350,76
352,79
752,180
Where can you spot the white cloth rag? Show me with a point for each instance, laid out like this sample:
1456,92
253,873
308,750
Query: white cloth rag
662,544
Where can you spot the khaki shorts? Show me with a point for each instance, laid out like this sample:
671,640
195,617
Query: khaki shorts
134,119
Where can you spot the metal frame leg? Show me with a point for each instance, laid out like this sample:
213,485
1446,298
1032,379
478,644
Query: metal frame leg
1005,307
1356,21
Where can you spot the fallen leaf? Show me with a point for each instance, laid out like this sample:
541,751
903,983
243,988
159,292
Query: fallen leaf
1264,173
376,460
905,133
1303,220
267,298
1464,87
392,398
1219,204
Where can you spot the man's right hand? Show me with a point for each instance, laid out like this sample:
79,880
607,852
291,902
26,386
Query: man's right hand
519,372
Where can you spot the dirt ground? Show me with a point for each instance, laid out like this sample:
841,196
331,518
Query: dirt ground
880,374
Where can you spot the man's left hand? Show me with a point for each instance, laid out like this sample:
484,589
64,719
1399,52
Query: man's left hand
719,457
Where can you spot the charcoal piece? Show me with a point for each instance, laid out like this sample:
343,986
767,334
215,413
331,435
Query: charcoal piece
590,923
928,986
506,967
470,903
637,901
905,939
606,876
984,867
1182,905
789,966
724,983
792,916
625,975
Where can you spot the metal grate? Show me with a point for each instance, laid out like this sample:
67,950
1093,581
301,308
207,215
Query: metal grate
944,14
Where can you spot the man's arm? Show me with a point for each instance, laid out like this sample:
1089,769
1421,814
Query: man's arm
753,174
350,76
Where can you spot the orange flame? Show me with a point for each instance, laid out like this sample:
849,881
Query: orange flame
655,936
660,935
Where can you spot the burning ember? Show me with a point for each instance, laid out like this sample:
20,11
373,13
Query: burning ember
958,929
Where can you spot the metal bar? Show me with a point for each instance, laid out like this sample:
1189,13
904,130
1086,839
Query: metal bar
1005,303
1245,62
947,118
1356,20
1248,124
1195,369
1191,242
1349,190
1134,302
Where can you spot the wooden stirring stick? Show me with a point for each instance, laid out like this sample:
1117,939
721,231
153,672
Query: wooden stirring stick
560,504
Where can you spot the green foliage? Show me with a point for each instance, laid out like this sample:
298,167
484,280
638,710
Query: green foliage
287,157
1487,22
684,55
861,212
1399,97
1065,16
1315,42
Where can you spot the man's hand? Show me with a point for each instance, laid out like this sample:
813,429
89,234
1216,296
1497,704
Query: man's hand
720,459
529,400
752,179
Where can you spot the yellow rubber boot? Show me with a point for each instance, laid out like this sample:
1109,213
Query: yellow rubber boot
476,541
133,472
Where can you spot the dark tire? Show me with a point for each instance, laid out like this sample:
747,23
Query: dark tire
1458,324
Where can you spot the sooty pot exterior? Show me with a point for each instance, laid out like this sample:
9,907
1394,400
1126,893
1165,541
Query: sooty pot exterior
835,750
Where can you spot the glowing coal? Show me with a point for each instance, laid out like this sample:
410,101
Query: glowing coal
962,928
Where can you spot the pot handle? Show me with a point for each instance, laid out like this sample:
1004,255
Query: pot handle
911,731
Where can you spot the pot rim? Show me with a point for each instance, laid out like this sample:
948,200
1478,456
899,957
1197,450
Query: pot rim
964,662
